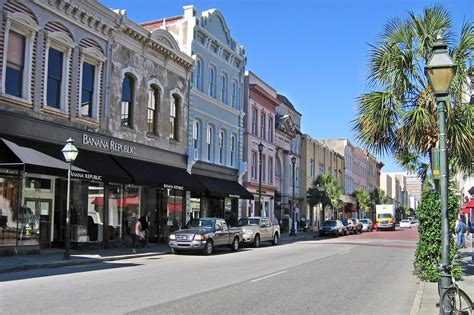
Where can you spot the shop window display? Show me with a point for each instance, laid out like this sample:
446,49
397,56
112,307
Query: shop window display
9,222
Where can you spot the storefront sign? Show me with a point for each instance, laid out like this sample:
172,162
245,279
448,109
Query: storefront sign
86,176
234,196
168,186
109,145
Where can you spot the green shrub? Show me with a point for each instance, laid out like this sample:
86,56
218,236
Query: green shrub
428,249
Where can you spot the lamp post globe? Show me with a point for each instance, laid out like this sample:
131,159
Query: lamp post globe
70,153
440,71
260,149
293,217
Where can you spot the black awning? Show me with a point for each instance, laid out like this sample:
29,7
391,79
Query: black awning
13,156
159,175
223,188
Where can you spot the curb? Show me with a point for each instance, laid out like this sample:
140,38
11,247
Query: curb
80,261
415,308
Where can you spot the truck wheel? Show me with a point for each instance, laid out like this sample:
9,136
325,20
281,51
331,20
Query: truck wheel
235,244
256,241
209,248
275,239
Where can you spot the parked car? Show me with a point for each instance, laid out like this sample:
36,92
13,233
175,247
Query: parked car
204,234
350,227
332,227
257,229
405,223
367,225
358,225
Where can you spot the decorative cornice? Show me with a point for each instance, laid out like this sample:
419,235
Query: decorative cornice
260,91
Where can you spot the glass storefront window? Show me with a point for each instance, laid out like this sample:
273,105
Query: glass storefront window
8,211
231,211
174,209
130,204
115,213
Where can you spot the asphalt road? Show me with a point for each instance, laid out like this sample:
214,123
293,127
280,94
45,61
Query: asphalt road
362,274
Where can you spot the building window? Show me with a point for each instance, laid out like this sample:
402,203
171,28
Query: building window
87,91
234,94
321,169
55,76
278,168
270,170
264,162
262,125
127,101
311,168
210,136
15,64
270,129
224,89
232,151
254,121
221,147
199,75
152,109
212,82
196,136
254,165
175,103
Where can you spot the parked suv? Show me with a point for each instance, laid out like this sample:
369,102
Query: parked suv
257,229
358,225
350,227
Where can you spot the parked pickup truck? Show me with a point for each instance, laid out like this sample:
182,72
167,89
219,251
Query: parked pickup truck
204,234
257,229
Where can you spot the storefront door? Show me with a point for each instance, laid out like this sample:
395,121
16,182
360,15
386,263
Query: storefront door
43,207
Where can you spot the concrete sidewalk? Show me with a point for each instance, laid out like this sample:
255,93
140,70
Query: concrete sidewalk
427,295
53,258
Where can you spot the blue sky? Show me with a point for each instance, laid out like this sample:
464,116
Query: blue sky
313,52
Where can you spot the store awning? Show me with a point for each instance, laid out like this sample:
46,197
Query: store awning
224,188
159,175
13,156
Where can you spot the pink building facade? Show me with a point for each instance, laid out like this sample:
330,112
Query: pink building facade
260,102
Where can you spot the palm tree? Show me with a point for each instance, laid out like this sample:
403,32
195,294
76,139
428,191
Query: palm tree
326,191
399,116
363,200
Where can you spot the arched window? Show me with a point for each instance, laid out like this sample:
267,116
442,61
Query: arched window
234,94
15,64
221,147
210,142
152,109
196,136
278,167
212,81
254,121
127,101
262,125
175,103
224,88
199,74
253,166
232,150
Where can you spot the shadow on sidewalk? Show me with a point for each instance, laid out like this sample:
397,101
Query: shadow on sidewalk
62,270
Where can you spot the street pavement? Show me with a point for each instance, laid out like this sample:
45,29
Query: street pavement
295,277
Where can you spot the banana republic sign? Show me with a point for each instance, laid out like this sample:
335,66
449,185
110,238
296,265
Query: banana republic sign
108,145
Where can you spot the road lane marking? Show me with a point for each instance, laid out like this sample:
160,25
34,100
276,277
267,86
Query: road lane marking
272,275
345,252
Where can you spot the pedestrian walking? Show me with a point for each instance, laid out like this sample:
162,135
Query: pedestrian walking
460,233
145,223
135,232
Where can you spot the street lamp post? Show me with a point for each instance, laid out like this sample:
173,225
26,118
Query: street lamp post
293,223
440,71
260,149
70,153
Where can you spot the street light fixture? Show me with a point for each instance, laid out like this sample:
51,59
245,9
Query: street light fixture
293,223
440,72
70,153
260,149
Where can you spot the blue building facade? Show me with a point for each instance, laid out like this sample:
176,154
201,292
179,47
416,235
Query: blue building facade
215,133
